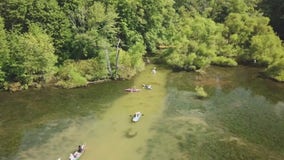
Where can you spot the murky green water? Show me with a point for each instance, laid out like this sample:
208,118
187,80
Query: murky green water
243,118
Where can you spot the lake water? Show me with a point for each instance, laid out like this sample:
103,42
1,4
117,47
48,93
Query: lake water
242,118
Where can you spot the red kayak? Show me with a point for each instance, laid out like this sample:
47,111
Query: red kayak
132,90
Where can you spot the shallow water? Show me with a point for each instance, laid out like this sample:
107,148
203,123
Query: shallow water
243,118
50,123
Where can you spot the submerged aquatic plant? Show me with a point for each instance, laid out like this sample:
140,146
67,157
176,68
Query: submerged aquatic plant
200,92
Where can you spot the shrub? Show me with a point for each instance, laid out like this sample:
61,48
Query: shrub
69,76
224,61
92,69
276,70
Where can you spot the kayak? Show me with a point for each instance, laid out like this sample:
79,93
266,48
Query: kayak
147,86
132,90
136,116
78,153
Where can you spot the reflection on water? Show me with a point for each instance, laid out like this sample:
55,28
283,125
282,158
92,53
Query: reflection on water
243,118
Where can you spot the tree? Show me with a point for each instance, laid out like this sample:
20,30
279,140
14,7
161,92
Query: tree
49,16
102,18
136,52
131,22
14,12
217,10
196,43
239,30
4,51
274,9
159,15
276,70
85,45
92,24
266,49
32,56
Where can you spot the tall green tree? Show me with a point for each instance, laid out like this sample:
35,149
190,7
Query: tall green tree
91,25
222,8
4,51
266,49
217,10
196,44
137,51
32,57
159,15
131,22
239,30
14,12
49,16
195,7
274,9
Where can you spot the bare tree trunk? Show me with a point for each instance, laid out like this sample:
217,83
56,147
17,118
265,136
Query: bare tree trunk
116,58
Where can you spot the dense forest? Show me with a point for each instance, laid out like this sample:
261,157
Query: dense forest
70,43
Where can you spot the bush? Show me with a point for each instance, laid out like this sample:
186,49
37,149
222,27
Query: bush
224,61
126,70
276,70
92,69
2,78
69,76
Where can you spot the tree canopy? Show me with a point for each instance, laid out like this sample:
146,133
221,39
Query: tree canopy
99,39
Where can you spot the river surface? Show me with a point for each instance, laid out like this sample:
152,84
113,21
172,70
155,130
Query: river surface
242,118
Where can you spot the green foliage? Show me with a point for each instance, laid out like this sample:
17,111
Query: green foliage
276,70
94,28
185,34
14,12
131,22
125,70
91,69
222,8
196,42
69,76
176,60
159,16
217,10
240,28
223,61
49,16
102,18
85,46
32,57
274,10
266,49
195,7
4,51
200,92
136,52
78,73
